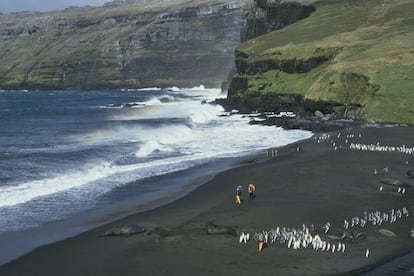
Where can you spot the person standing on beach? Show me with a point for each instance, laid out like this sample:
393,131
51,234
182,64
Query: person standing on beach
238,194
261,241
251,188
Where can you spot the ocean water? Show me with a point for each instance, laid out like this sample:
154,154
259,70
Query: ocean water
64,153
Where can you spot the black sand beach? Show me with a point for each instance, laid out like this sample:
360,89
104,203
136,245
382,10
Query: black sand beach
313,182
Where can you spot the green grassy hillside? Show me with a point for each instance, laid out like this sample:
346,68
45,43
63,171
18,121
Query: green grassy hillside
359,53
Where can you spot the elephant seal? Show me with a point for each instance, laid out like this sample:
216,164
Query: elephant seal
334,237
351,237
348,236
410,174
126,230
391,181
387,233
161,232
214,229
361,236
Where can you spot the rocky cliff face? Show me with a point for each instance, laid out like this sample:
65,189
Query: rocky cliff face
266,16
126,45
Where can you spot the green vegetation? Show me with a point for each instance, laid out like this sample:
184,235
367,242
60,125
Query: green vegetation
369,58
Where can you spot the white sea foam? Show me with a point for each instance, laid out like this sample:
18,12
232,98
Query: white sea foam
141,89
151,146
198,144
152,101
192,130
149,89
22,193
174,88
81,164
208,94
13,195
197,88
147,148
164,139
204,114
194,88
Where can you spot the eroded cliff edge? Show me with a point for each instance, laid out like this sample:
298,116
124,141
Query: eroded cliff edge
349,59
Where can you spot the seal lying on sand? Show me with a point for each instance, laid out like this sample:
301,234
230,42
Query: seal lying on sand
395,182
214,229
126,230
161,232
391,181
387,233
348,236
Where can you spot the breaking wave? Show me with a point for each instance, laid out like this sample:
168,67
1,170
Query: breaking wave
91,151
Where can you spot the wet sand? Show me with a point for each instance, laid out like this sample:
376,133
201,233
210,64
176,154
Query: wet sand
313,182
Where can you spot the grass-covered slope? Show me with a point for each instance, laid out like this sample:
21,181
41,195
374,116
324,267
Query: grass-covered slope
357,53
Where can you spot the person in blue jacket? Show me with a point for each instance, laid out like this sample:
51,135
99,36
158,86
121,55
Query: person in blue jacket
238,194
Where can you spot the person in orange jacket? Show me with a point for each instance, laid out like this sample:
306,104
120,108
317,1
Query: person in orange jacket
251,188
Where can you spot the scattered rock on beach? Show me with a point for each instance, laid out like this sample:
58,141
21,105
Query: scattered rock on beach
126,230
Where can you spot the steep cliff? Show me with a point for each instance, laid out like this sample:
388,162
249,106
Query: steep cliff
126,44
350,58
266,16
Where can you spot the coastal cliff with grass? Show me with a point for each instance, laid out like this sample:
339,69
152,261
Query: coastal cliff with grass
345,58
124,44
328,58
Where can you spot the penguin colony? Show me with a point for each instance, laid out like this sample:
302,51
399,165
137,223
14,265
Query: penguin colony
303,238
376,218
362,147
296,239
378,147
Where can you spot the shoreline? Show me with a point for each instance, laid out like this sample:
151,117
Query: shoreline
311,186
97,217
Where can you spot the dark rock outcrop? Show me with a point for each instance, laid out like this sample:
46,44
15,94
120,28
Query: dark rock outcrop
285,65
266,17
275,15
